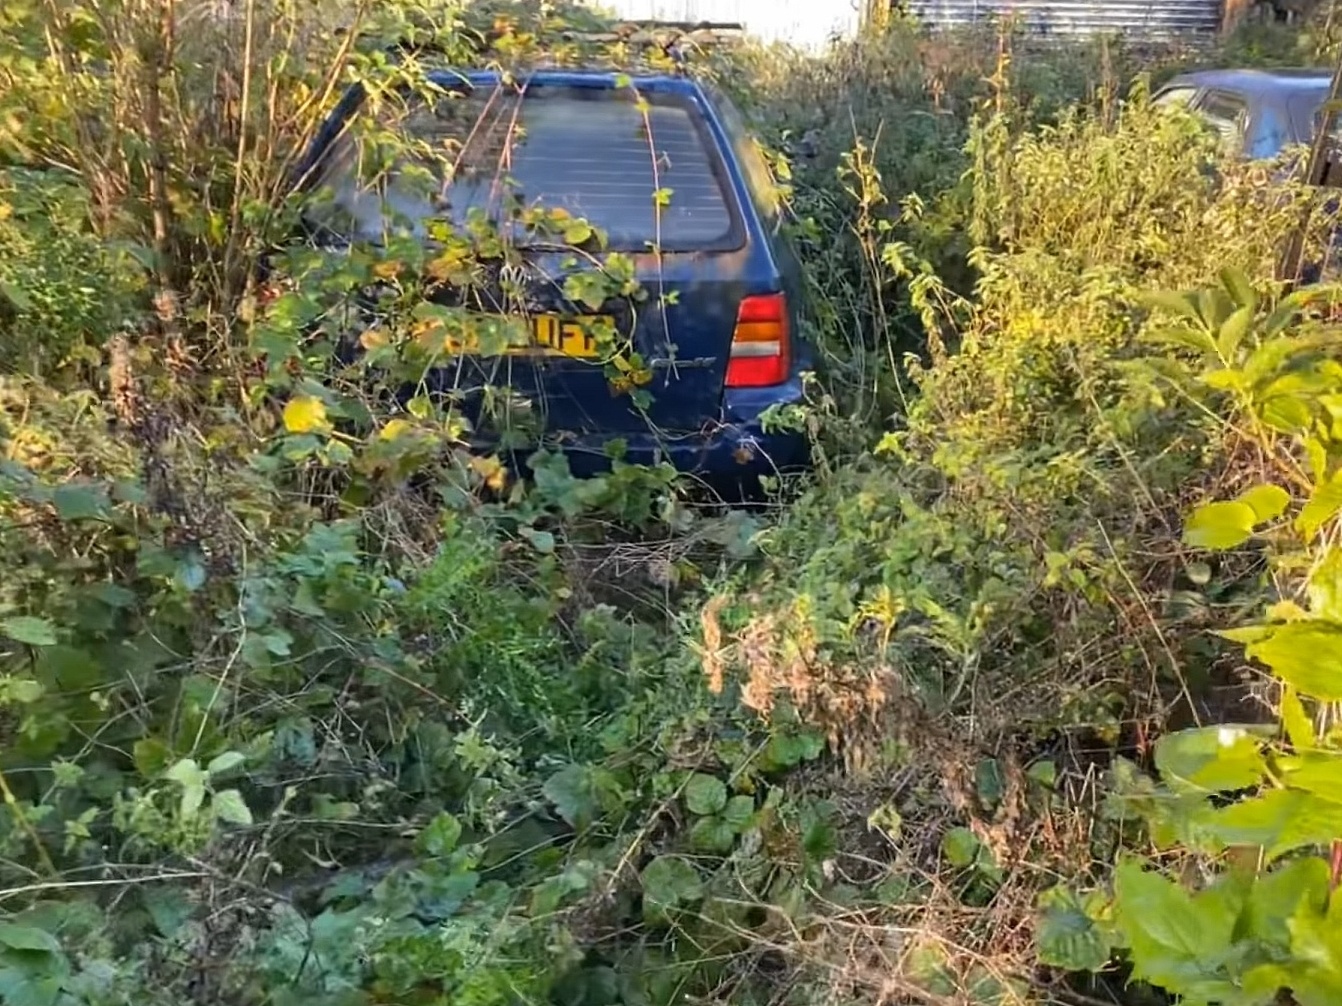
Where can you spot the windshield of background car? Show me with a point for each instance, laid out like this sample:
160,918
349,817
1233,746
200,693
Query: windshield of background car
639,167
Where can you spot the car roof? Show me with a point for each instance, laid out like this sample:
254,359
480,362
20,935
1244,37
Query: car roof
571,77
1294,80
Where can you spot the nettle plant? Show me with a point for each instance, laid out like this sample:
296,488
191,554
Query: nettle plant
1260,805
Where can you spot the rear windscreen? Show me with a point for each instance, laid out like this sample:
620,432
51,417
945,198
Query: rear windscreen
640,169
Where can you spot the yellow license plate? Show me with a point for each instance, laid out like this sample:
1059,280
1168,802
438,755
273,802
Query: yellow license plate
568,336
550,335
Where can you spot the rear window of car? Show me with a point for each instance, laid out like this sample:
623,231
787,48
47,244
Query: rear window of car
643,170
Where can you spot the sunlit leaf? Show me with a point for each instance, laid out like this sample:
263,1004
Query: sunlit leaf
1323,505
1220,525
1299,727
306,415
1268,502
1239,287
1305,655
1217,759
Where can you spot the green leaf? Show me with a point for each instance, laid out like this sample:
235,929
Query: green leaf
712,835
19,987
1305,655
1232,332
1280,821
705,794
29,629
1066,936
1176,940
228,805
578,232
1277,895
189,775
1220,525
669,882
1267,501
1239,287
18,937
1218,759
1182,305
225,762
961,847
1323,506
739,812
441,836
74,501
1299,727
580,792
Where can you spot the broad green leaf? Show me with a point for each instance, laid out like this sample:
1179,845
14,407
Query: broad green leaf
224,762
1299,727
1218,759
1318,772
669,882
1232,332
739,812
1224,379
21,987
1182,305
1305,655
705,794
1286,413
1182,338
1323,506
1066,936
19,937
1325,587
1316,954
229,806
1268,502
76,501
29,629
1176,940
961,847
712,835
1240,288
306,415
1220,525
1280,821
1277,894
441,836
189,775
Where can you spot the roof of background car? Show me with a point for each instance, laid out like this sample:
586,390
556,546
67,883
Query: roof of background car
1294,79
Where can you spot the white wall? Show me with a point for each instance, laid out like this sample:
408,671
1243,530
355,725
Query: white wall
806,23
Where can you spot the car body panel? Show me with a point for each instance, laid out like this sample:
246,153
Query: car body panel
1279,107
683,329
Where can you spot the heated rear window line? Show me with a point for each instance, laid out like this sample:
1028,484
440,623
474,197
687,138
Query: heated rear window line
548,165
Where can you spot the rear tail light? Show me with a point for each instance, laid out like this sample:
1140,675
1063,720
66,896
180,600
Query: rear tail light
761,350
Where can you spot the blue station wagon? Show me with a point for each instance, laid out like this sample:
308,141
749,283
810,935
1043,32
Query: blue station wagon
719,332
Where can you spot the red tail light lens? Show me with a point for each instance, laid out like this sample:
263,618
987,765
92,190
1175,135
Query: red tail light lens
761,349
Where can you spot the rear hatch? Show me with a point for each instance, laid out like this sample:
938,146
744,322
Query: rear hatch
638,162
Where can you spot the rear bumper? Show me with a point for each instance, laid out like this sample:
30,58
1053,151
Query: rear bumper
737,446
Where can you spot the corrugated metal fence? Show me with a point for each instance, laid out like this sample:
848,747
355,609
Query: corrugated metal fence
805,23
1153,19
